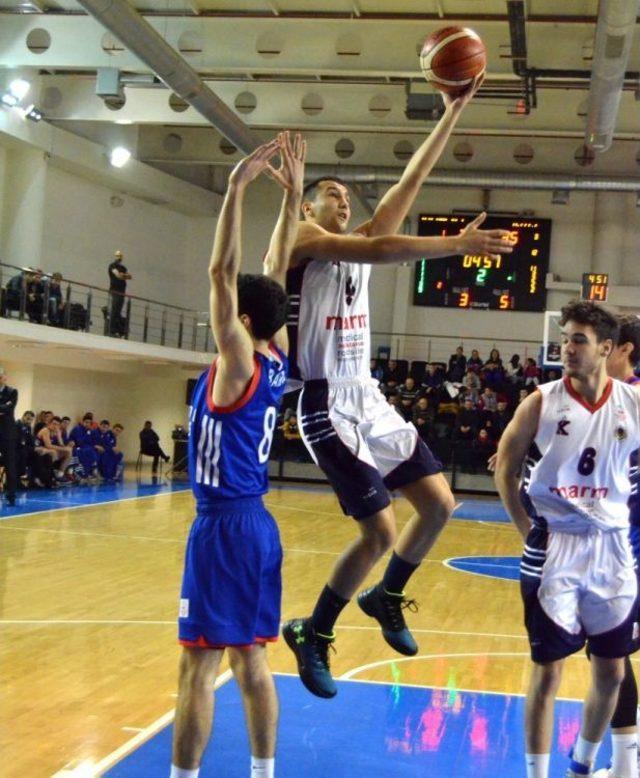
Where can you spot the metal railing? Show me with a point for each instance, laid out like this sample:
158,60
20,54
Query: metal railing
49,299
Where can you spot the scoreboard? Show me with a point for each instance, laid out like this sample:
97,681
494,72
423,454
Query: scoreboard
513,282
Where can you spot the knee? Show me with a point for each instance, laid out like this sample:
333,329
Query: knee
194,674
380,539
438,512
609,674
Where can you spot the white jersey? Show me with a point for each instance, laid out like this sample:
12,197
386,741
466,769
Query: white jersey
328,320
576,474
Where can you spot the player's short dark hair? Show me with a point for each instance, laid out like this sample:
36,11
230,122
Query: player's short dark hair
66,418
118,426
88,415
264,301
104,421
56,418
630,333
603,323
311,189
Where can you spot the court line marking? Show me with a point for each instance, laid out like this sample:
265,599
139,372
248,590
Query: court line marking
146,734
92,504
447,563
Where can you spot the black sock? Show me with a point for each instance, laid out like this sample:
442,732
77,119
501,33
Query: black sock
397,574
327,610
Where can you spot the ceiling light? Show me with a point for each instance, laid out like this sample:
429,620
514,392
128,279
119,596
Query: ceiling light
9,100
119,156
19,88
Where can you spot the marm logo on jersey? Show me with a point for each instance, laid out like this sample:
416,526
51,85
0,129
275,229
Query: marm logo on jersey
562,427
356,322
576,491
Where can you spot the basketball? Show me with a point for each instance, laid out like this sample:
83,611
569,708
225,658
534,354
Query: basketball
452,57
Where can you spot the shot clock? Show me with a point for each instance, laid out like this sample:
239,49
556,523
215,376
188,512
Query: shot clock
513,282
595,287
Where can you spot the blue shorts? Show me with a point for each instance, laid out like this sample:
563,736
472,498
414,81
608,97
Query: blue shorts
231,588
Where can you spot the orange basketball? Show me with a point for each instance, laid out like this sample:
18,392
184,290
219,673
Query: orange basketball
452,57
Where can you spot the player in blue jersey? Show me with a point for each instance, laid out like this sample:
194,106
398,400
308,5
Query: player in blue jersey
230,598
621,364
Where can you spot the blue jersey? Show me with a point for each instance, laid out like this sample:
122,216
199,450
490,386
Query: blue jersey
229,447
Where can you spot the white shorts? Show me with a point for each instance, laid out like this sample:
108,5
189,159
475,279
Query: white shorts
361,443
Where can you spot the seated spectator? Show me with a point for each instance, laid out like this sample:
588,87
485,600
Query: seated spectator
393,377
109,457
34,305
432,384
483,448
457,366
44,418
423,417
394,400
531,373
522,395
501,418
551,375
493,371
514,370
55,313
82,436
376,371
472,380
13,292
118,429
65,431
488,400
409,394
474,363
467,422
290,428
50,440
150,445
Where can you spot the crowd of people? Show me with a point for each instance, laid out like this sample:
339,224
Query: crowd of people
52,452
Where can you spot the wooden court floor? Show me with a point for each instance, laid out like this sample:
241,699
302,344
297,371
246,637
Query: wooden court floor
88,601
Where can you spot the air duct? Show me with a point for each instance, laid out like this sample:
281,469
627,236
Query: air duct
614,35
479,179
142,40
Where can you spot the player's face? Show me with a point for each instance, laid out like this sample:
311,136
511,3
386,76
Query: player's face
331,208
582,355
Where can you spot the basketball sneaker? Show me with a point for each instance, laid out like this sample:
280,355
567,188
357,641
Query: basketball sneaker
577,769
387,609
605,772
312,655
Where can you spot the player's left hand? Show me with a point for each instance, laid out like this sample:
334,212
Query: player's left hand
290,174
255,163
491,462
458,102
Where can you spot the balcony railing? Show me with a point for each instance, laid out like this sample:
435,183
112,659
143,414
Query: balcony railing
30,295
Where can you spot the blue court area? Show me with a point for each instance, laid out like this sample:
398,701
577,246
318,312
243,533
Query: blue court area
38,500
372,729
481,510
507,567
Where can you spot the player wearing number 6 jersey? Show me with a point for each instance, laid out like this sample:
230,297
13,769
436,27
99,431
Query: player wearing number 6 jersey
231,589
563,473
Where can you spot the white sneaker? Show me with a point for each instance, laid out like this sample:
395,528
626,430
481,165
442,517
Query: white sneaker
605,772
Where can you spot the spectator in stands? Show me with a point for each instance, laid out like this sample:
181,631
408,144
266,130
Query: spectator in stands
394,400
501,418
83,437
150,445
432,384
522,395
409,394
423,417
56,303
467,422
393,377
551,375
13,294
118,277
493,371
483,448
488,400
376,370
118,429
25,445
474,362
65,431
457,366
514,370
34,305
49,439
531,373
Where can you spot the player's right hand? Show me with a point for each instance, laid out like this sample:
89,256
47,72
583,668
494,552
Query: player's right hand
290,174
490,243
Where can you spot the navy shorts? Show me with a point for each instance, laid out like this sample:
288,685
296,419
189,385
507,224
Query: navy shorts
361,443
232,587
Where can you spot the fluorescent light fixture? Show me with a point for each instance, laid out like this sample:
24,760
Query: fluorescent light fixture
9,100
19,88
33,114
119,156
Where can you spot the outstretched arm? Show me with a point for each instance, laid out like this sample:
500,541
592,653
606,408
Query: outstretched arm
396,203
512,450
290,176
318,244
232,339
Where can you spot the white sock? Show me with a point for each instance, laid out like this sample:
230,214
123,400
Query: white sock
537,765
262,768
585,751
179,772
625,755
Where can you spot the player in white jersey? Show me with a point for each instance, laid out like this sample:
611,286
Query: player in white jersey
364,447
563,475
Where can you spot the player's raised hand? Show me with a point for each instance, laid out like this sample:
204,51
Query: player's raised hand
458,102
255,163
290,174
490,243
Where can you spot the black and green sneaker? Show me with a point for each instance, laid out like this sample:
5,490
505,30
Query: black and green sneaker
387,609
312,654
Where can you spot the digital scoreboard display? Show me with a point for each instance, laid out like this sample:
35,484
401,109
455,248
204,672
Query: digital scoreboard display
513,282
595,287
